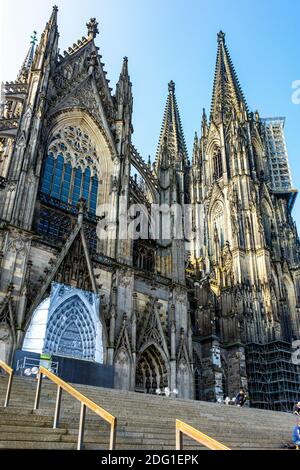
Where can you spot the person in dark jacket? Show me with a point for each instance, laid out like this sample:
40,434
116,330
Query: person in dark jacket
296,410
240,399
296,435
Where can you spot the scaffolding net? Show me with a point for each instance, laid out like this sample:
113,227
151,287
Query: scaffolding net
273,379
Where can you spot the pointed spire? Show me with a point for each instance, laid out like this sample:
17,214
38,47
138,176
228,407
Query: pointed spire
49,40
124,71
53,18
124,84
195,149
227,93
24,71
204,126
171,135
196,140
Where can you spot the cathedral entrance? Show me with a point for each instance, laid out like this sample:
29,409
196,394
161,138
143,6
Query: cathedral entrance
151,371
67,324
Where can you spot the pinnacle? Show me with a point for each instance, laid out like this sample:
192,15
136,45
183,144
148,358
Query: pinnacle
171,87
92,27
221,37
171,134
226,88
23,74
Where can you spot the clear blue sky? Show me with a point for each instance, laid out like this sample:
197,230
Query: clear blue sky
176,39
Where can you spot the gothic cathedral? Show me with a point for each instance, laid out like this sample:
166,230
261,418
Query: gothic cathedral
187,313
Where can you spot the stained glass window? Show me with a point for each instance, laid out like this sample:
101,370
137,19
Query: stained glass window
66,183
48,174
94,192
56,186
86,185
69,172
77,186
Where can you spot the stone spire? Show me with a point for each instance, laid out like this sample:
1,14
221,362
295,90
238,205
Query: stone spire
204,126
24,71
124,75
123,90
227,93
196,150
171,136
49,40
53,18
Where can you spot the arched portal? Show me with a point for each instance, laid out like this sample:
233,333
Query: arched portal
151,371
67,324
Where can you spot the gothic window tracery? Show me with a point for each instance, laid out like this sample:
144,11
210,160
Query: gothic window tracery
71,168
143,256
217,164
267,223
218,222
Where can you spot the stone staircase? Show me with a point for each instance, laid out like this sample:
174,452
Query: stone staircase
145,422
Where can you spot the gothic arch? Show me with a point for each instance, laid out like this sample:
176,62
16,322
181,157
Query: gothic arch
217,220
184,385
214,154
69,326
107,163
213,139
152,370
122,364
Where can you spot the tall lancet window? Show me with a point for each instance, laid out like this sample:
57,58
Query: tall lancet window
217,164
71,169
217,218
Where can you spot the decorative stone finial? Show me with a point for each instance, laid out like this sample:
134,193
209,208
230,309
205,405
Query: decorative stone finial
92,27
171,86
33,38
221,37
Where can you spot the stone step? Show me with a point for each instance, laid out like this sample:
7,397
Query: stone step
156,401
219,413
144,421
98,422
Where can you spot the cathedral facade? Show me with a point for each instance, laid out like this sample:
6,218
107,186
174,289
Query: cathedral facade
175,310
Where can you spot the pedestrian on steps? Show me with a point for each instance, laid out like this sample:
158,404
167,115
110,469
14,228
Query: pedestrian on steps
296,410
296,435
241,397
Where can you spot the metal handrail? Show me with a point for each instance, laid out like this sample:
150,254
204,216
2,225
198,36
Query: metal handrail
85,403
10,372
183,428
